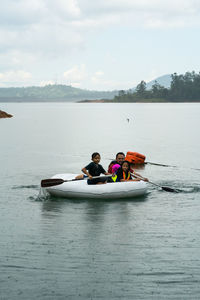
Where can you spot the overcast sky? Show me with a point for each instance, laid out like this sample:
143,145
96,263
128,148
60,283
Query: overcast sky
97,44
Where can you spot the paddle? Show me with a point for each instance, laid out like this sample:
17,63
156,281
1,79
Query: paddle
156,164
57,181
164,188
171,166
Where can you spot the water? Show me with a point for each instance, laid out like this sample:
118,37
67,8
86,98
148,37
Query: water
145,248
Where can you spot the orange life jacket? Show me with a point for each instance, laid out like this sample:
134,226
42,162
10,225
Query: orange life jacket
135,158
128,176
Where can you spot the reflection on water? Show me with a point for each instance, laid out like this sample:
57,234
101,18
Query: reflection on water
55,206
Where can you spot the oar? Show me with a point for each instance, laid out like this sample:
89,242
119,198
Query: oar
57,181
156,164
171,166
164,188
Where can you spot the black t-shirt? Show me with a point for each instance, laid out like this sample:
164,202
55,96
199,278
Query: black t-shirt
94,169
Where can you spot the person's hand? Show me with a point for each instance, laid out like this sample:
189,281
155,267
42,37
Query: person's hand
90,177
146,179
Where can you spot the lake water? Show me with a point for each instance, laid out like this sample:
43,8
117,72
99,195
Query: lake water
145,248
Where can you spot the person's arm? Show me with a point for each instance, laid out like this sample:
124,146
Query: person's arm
84,170
106,173
139,176
103,171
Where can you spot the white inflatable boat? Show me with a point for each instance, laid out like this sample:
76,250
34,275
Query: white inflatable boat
80,189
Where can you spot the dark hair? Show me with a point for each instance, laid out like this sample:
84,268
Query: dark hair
126,161
95,154
120,153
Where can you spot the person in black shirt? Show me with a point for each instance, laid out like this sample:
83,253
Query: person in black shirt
95,169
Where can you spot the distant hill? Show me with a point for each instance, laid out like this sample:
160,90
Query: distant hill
65,93
52,93
164,80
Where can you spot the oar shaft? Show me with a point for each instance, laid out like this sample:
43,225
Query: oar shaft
140,177
164,188
155,184
57,181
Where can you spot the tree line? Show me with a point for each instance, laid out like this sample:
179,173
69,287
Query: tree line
54,92
183,88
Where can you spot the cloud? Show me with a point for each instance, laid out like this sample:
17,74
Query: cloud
100,83
39,34
14,14
97,78
65,9
40,27
99,73
79,76
19,77
47,82
75,74
46,27
143,13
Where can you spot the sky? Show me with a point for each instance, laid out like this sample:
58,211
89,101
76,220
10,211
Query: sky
97,44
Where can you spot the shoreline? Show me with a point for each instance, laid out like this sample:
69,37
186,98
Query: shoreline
90,101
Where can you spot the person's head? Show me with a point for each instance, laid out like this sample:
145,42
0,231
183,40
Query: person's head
125,166
115,167
96,157
120,156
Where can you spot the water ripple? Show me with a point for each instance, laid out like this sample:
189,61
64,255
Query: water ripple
32,186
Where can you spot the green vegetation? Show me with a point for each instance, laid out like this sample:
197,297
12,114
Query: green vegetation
184,88
51,93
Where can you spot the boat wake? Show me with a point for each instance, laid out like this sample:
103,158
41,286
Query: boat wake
42,196
189,189
32,186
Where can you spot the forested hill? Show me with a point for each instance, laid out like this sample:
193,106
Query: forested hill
183,88
51,93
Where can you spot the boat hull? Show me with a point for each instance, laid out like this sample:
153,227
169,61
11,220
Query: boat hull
80,189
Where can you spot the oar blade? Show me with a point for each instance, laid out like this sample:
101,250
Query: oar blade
51,182
168,189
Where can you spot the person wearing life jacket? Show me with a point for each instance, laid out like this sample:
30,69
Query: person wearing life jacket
114,171
124,174
120,156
